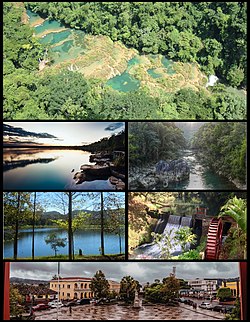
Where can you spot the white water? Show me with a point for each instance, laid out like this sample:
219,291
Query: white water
153,250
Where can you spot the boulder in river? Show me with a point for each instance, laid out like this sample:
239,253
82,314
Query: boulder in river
161,175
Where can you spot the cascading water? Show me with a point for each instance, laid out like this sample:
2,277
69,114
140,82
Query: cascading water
153,250
186,221
172,226
161,224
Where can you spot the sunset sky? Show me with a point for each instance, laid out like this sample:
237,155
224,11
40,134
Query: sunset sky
58,133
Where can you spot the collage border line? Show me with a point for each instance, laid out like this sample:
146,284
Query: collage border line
126,191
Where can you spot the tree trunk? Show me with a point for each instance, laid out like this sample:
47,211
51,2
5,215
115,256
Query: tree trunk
17,224
102,226
70,226
120,240
33,227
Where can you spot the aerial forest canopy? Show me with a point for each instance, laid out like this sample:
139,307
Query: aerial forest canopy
209,35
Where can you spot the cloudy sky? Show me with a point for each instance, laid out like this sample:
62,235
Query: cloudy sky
142,271
58,133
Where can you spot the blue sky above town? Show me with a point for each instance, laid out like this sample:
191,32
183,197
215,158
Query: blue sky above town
59,133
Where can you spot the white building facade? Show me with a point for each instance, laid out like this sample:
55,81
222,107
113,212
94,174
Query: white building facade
205,285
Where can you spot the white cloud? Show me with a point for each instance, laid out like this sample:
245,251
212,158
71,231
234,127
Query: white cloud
142,271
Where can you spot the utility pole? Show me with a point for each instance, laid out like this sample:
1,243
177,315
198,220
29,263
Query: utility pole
58,288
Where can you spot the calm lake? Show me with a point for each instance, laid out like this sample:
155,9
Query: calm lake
45,169
88,241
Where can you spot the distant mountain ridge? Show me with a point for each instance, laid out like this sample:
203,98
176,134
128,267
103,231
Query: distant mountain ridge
94,214
19,280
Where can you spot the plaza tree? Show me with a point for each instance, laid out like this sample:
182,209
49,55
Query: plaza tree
15,299
100,285
128,287
163,292
224,293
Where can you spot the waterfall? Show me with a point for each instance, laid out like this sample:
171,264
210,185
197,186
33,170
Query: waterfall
169,228
186,221
161,224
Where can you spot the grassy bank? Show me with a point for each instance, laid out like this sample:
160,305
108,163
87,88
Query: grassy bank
76,257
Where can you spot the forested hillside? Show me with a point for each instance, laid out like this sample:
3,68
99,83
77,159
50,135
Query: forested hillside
115,142
210,35
223,147
150,142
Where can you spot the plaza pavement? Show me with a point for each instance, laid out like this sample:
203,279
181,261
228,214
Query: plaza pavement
115,312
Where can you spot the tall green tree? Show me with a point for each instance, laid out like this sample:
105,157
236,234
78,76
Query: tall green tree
128,287
100,285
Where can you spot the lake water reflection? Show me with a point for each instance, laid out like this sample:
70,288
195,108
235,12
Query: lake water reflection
45,169
88,241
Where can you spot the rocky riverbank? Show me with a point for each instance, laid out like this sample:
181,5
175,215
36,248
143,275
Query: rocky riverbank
158,175
104,168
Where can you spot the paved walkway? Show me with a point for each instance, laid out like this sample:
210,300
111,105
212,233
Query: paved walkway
115,312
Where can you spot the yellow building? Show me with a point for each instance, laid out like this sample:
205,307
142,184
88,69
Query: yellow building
234,287
114,286
77,287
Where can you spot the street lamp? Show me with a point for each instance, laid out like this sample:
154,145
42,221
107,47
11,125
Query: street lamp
210,286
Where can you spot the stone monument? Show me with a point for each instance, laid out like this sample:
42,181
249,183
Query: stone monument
137,302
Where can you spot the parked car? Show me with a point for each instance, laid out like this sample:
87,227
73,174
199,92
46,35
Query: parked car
54,304
83,301
40,307
228,308
181,299
205,305
71,303
217,308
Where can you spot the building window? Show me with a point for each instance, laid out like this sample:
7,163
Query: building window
75,295
63,285
68,286
51,285
86,285
68,295
75,285
81,285
62,293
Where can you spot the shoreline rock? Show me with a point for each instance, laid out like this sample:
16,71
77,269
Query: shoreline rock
161,174
103,169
